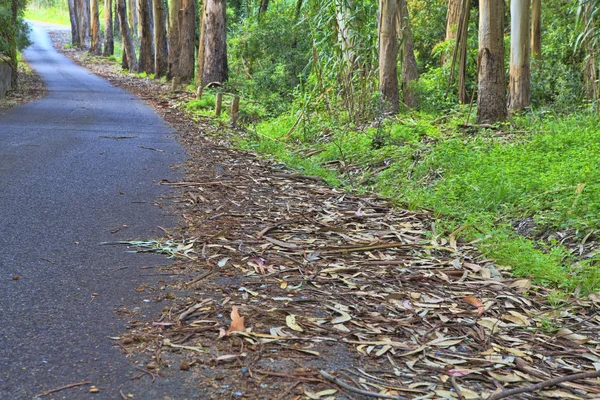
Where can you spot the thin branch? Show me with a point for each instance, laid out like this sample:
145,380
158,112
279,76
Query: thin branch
72,385
550,382
346,386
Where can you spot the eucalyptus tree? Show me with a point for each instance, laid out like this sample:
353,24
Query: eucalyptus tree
109,40
129,58
146,59
410,73
187,35
388,54
161,51
173,38
491,99
212,49
520,71
536,29
95,46
589,40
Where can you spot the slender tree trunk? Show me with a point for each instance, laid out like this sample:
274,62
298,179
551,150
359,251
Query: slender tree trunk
590,70
187,33
201,49
452,22
174,49
296,18
74,24
388,53
520,72
128,47
463,96
264,6
536,29
343,17
491,99
146,60
132,17
161,51
410,72
12,46
109,41
83,11
213,46
116,21
95,47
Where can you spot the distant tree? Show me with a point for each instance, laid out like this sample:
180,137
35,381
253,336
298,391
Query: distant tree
491,99
520,71
452,24
146,59
109,41
82,9
128,47
160,39
174,49
74,23
410,73
187,35
536,29
95,46
388,54
212,49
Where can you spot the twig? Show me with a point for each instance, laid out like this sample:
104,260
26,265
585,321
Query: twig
550,382
72,385
344,385
287,391
151,148
146,372
457,388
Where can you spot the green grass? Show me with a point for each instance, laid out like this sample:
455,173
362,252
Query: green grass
540,166
52,15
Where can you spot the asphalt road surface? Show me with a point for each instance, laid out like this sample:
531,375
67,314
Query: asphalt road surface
64,189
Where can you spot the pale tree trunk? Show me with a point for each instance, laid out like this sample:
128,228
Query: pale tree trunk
187,33
388,53
116,21
452,22
109,41
520,73
83,16
128,47
132,17
536,29
343,17
146,59
95,47
174,49
74,25
590,70
410,72
491,99
160,39
213,44
201,48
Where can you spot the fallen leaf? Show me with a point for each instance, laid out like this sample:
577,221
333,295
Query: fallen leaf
237,322
474,301
290,321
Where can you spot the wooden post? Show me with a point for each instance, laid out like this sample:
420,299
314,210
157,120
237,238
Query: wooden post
235,110
218,104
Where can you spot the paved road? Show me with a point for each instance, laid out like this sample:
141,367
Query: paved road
63,189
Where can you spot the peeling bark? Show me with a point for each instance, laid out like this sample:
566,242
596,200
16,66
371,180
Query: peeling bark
174,50
212,50
128,47
95,46
109,41
520,71
388,53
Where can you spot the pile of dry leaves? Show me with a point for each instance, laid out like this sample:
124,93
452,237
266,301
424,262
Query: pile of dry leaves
291,289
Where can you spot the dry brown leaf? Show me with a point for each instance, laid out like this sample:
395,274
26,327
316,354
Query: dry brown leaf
237,322
474,301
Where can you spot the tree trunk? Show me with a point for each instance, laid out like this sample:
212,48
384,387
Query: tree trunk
410,72
536,29
343,17
174,49
109,41
95,47
520,74
388,53
74,25
463,96
187,33
128,47
146,60
116,21
83,15
491,99
213,44
132,17
590,70
160,39
12,46
264,6
452,22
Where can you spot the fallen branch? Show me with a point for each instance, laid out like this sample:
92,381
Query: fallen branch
344,385
72,385
550,382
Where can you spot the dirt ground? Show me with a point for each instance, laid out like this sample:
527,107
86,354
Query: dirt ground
30,88
286,288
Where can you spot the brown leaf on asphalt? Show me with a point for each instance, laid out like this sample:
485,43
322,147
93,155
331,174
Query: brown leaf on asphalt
237,322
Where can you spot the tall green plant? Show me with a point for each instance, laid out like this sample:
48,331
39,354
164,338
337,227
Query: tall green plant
13,33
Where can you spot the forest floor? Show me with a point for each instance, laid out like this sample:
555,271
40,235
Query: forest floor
31,88
288,288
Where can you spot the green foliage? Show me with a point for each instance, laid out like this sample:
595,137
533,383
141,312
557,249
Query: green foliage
13,29
54,14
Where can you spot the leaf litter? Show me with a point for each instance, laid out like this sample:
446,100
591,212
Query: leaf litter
331,295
